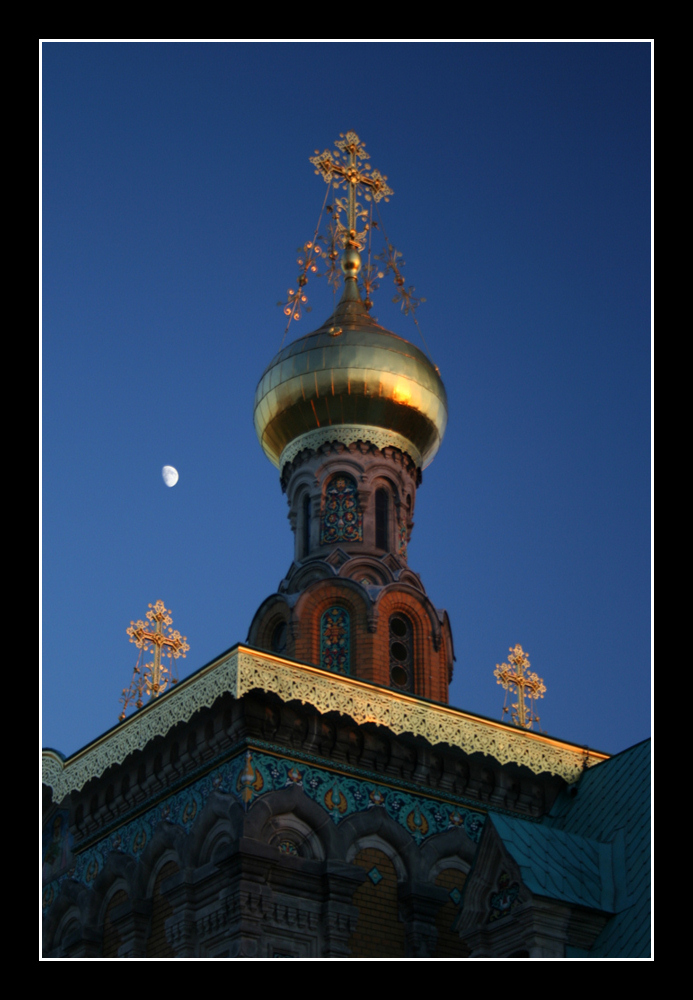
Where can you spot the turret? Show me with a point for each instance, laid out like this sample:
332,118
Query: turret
351,414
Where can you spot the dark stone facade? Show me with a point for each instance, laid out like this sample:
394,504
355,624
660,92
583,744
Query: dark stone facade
262,828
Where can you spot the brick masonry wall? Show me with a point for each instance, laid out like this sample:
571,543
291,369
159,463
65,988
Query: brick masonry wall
449,943
379,932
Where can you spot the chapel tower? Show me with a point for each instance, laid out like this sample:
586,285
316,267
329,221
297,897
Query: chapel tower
351,414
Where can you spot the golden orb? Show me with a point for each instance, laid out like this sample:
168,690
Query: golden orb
351,262
363,384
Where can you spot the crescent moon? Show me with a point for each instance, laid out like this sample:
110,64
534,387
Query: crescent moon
169,475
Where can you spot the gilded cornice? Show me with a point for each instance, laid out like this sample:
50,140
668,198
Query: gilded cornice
244,670
179,704
347,434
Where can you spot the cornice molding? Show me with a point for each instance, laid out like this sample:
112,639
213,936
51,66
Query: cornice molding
244,670
179,704
347,434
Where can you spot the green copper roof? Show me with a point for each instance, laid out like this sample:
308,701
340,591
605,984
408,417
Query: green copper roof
559,865
594,850
613,804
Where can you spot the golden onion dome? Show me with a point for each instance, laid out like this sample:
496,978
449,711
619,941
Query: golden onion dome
350,380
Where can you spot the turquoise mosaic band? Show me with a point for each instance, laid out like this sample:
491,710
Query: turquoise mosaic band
249,776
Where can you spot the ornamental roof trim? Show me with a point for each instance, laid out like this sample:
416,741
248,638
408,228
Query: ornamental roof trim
347,434
243,669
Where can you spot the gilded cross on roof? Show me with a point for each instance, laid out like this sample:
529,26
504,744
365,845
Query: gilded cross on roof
346,166
158,637
343,168
516,675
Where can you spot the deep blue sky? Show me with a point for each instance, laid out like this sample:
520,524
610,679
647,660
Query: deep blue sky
176,189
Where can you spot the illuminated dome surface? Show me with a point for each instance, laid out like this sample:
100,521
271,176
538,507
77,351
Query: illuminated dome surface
350,380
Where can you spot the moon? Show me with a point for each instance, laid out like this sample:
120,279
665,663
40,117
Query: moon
169,475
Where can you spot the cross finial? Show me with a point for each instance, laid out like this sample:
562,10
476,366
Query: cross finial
158,637
349,230
343,168
515,675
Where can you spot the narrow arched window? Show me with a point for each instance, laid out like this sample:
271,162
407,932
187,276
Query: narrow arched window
335,640
403,529
401,653
382,503
342,520
279,636
306,525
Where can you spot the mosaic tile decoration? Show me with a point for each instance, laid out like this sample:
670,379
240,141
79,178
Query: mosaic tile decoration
335,640
288,847
342,520
504,900
250,775
402,538
374,875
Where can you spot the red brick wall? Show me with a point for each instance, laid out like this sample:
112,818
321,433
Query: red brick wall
310,610
370,652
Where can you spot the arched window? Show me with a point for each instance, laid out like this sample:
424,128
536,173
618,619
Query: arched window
279,637
379,931
382,503
403,529
401,653
306,526
342,520
112,940
158,945
335,640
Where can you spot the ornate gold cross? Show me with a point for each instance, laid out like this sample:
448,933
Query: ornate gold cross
343,168
160,639
515,674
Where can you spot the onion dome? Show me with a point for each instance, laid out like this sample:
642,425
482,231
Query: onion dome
351,380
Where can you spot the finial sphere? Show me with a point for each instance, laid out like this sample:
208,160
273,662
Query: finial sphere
351,262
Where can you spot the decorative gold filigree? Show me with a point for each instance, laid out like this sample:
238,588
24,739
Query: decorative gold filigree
350,228
516,675
333,241
405,714
162,640
309,255
392,260
349,434
178,704
52,768
345,168
245,670
350,235
370,273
